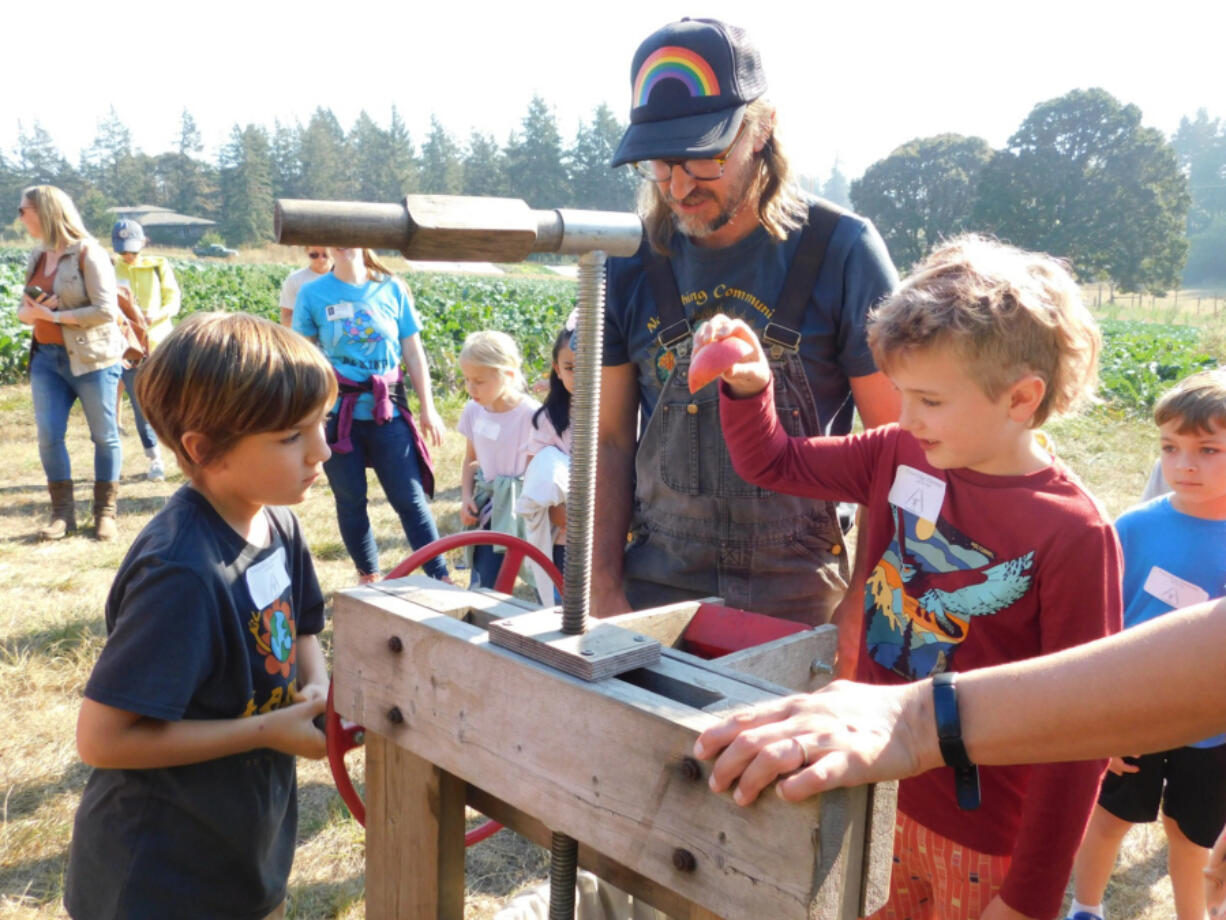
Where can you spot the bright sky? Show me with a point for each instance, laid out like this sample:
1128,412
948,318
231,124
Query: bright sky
851,80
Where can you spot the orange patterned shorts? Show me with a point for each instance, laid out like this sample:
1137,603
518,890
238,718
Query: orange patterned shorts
937,879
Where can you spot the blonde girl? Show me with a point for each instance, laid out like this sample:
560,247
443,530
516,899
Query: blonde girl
497,421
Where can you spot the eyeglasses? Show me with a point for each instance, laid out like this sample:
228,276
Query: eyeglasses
705,170
22,208
317,255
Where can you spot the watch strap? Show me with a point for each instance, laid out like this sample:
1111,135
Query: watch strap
949,737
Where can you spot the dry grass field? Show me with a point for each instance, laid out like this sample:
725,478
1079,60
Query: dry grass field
51,600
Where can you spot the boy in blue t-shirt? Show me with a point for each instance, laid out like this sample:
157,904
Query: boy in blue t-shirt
1174,556
212,671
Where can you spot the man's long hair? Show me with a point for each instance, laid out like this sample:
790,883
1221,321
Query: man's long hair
781,203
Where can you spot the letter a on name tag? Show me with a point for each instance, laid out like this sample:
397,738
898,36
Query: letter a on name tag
915,491
1171,589
342,310
267,579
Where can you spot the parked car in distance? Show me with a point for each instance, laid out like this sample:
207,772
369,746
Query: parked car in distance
214,250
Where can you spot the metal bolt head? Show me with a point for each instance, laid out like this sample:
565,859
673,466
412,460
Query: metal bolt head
691,769
684,861
586,652
396,644
820,667
640,638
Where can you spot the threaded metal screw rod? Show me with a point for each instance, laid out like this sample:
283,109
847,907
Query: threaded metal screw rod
584,423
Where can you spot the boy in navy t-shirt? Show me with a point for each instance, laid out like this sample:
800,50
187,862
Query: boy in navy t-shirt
212,671
1173,557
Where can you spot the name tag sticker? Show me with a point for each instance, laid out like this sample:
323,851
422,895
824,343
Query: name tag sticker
1171,589
916,491
267,579
487,428
342,310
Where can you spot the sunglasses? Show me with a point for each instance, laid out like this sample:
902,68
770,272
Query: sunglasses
22,208
317,255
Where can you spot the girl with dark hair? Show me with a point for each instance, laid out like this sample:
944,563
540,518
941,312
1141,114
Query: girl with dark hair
543,503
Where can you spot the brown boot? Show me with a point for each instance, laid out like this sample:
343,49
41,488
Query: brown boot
63,511
106,497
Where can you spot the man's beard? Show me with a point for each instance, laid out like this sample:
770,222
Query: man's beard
697,228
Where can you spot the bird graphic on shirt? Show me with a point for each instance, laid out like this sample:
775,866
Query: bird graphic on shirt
947,614
1003,584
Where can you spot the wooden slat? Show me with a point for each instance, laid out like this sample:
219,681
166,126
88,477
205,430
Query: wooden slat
414,836
790,661
600,762
664,624
604,650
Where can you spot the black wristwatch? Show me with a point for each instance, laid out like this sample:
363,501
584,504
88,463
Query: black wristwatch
949,736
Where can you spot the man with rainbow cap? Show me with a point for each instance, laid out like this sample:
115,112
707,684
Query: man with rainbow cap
727,230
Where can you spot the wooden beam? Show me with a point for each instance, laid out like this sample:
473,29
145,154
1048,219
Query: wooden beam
414,836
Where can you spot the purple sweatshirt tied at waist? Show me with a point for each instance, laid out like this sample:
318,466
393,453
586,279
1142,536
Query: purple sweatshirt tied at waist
382,387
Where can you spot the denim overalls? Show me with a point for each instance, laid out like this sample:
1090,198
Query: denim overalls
698,529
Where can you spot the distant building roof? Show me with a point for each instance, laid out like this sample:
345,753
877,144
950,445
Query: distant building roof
148,215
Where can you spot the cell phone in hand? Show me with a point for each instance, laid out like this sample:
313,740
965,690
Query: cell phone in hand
34,292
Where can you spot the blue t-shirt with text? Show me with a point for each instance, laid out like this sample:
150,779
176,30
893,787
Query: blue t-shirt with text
745,280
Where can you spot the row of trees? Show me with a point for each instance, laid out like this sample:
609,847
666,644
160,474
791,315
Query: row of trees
368,162
1081,178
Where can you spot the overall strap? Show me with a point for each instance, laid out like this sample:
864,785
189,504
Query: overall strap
784,326
674,326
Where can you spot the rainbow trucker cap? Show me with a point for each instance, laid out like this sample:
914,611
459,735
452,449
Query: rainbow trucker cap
690,83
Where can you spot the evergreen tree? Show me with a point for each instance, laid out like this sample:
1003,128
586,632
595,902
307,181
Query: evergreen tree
837,189
111,165
37,161
189,185
595,184
535,171
442,170
286,161
324,154
246,187
484,167
402,159
382,160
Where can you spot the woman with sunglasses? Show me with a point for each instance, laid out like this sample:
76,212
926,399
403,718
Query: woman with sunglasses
363,319
318,265
76,352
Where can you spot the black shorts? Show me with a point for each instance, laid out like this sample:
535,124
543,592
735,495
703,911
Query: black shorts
1189,782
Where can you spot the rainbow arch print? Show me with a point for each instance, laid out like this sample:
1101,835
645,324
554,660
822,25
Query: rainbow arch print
675,63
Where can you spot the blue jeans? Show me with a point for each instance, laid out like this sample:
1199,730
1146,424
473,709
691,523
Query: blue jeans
389,448
148,437
55,389
487,562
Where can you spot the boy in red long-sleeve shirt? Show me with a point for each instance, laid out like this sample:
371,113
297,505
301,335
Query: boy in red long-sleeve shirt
983,547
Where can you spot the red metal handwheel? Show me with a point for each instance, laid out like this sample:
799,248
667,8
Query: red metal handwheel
344,736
